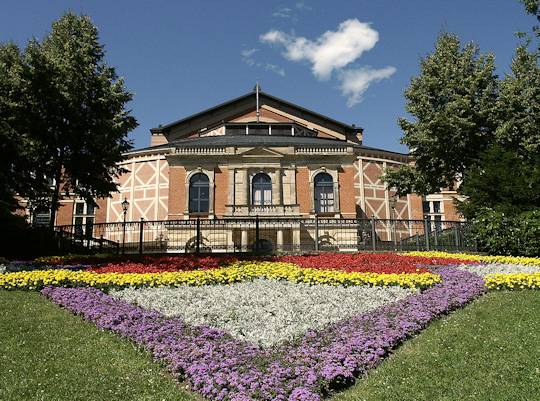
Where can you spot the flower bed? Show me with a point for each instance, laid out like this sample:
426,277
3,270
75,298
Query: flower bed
467,258
136,264
220,367
149,264
237,272
263,311
515,281
370,262
499,268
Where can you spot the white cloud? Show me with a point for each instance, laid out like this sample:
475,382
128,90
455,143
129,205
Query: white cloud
274,68
355,82
247,57
291,13
301,5
333,50
283,12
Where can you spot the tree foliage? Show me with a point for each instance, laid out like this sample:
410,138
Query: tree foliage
518,106
501,181
533,7
453,105
474,130
69,113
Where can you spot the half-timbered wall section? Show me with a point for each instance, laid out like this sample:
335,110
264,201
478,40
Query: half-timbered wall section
373,198
146,188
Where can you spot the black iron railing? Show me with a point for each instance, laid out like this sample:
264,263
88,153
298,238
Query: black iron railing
270,235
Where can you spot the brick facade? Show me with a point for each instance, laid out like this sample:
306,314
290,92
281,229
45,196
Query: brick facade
221,190
303,191
347,203
177,192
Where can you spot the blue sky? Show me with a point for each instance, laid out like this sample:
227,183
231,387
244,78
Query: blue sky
180,57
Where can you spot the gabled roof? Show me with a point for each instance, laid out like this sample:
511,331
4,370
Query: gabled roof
225,111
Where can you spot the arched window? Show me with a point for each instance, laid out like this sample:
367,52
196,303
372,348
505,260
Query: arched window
199,193
261,189
324,193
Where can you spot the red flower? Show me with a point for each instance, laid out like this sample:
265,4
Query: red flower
369,262
152,264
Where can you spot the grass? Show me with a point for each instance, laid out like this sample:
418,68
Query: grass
488,351
46,353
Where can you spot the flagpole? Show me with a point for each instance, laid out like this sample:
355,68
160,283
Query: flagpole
257,97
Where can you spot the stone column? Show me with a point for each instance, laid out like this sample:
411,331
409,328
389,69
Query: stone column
296,237
244,240
279,240
242,187
278,188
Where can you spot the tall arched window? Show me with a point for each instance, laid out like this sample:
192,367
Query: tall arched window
199,193
324,193
261,189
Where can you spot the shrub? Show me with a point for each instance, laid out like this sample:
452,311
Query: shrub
501,234
20,240
527,232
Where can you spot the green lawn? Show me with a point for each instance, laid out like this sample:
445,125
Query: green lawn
487,351
46,353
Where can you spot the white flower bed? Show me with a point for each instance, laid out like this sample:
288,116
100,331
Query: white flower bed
503,268
263,311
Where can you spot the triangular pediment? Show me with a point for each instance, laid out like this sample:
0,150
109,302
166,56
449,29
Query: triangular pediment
259,152
242,110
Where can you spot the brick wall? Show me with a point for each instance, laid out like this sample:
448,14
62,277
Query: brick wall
101,211
221,190
177,191
303,192
347,202
64,215
416,207
450,211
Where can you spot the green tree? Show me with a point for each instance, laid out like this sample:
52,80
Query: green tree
73,112
18,173
519,107
533,7
501,181
453,102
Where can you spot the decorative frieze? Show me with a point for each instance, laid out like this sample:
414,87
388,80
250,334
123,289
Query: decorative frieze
262,210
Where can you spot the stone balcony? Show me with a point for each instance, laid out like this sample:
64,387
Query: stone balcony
262,210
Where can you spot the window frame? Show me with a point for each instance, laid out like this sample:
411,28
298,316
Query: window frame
323,188
198,187
83,223
262,188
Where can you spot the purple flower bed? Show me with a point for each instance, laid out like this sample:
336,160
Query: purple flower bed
222,368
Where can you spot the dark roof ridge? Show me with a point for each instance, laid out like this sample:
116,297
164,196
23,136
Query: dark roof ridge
261,93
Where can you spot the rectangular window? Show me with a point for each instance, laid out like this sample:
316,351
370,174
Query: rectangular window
78,229
90,209
83,220
258,129
79,208
281,130
267,196
425,207
235,130
324,199
436,206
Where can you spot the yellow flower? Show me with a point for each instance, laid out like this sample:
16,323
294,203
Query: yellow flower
236,272
518,260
